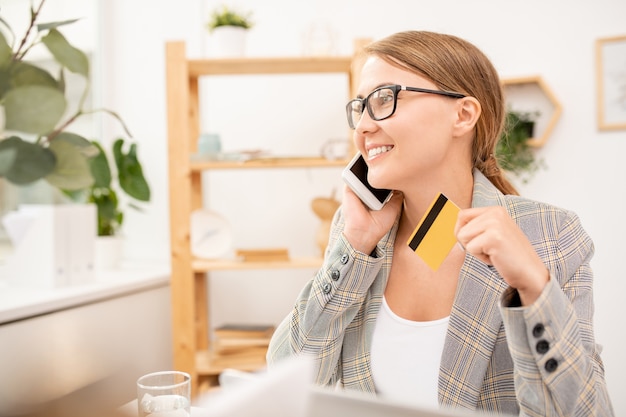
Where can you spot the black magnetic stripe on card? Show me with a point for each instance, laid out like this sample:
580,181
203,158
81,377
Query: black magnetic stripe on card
428,221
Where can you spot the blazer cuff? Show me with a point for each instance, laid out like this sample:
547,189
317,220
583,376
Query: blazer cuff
534,332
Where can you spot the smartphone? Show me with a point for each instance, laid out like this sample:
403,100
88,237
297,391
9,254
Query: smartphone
355,175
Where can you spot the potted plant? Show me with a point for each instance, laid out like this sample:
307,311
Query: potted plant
513,151
36,143
105,195
229,28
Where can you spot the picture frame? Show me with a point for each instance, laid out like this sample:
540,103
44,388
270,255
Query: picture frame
611,82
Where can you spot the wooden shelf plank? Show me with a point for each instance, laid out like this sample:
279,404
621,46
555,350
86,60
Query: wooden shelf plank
206,265
270,162
277,65
209,365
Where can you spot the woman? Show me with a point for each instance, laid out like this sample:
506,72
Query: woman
506,322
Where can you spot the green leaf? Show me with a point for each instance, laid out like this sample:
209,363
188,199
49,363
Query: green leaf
72,170
5,79
86,147
70,57
130,172
53,25
7,157
7,26
31,161
100,169
5,61
77,196
33,109
24,74
109,217
5,51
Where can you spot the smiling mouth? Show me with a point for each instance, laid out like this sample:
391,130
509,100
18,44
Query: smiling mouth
377,151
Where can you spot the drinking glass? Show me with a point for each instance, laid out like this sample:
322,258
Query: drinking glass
164,394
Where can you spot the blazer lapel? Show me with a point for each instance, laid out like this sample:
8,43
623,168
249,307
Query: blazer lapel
475,321
474,325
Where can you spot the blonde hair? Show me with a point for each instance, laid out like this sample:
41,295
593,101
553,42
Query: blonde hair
454,64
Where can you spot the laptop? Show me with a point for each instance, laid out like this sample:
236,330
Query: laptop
324,402
287,392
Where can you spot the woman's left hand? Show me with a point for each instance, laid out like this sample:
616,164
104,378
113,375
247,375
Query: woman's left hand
490,234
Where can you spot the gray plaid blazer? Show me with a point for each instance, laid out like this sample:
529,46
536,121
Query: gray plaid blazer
540,360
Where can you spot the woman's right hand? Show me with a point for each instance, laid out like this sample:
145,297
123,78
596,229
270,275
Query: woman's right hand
364,227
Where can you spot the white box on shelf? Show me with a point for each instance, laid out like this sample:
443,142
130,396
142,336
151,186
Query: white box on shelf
53,244
82,232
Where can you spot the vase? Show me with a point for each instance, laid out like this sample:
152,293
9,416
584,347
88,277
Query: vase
108,252
229,41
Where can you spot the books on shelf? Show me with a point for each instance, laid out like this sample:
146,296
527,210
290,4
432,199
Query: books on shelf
226,344
235,358
244,331
211,362
242,338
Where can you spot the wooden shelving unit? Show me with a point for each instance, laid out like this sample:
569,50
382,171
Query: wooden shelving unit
189,284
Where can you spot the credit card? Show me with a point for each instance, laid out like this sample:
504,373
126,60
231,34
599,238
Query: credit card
433,238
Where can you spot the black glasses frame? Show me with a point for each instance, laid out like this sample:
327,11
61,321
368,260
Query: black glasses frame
396,88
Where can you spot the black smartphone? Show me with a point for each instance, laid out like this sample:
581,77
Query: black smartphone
355,175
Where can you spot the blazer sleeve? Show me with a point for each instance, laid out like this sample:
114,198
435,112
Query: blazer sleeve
558,369
326,306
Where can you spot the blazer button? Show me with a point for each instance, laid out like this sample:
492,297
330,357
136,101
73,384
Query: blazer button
551,365
335,274
344,259
538,330
543,346
326,288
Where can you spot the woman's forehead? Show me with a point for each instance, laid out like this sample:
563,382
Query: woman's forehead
376,72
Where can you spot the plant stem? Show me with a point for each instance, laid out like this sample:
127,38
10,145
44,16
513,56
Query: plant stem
61,128
33,18
119,119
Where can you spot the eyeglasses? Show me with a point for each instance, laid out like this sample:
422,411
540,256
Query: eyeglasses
381,103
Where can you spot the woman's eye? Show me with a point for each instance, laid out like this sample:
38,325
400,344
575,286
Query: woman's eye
384,97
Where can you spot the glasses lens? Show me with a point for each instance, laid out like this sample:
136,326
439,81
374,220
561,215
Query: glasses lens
381,103
354,110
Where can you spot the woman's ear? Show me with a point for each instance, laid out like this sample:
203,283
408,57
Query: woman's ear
468,112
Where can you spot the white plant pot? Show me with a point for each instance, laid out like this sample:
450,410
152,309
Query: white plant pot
109,250
228,41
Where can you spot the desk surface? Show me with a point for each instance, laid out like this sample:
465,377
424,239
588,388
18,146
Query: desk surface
130,410
22,302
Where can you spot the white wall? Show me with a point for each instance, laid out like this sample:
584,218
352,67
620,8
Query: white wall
552,39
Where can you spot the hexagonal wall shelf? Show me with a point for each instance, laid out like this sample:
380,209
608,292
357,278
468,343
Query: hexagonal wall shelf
532,95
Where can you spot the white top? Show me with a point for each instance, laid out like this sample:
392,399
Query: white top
405,357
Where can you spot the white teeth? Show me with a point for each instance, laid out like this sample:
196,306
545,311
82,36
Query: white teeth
377,151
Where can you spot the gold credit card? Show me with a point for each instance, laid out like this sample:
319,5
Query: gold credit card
433,238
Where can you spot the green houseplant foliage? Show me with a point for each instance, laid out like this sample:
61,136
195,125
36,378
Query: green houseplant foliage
225,16
35,143
513,151
103,192
40,146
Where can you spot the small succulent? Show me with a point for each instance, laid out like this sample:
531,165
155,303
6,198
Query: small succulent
225,16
